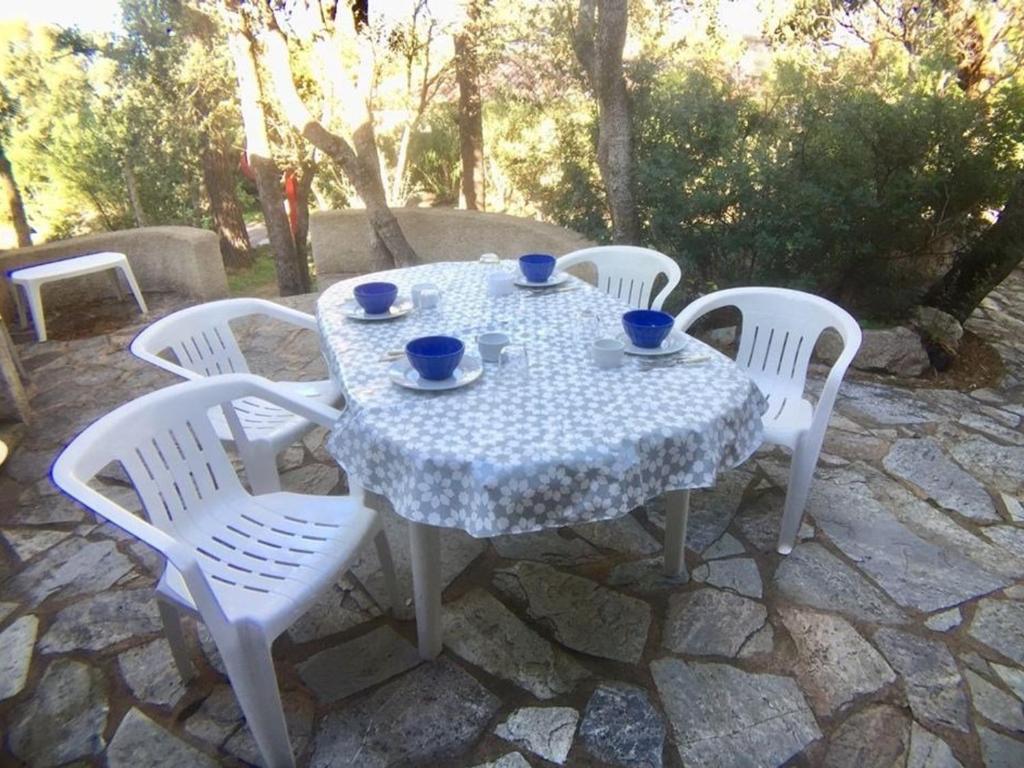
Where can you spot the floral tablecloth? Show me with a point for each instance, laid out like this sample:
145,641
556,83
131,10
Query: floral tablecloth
513,453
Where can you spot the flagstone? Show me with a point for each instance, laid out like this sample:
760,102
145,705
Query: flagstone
813,576
545,731
929,751
353,666
621,727
73,567
583,615
877,737
725,716
65,718
16,644
738,574
481,630
432,713
835,664
139,741
995,705
923,464
999,751
711,622
151,673
999,624
623,534
934,687
101,621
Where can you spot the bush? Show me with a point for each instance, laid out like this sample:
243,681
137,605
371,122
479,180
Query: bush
823,184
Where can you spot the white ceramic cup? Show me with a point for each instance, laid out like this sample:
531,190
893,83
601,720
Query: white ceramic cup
490,345
426,296
499,284
608,353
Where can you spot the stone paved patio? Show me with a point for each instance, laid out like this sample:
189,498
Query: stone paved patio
892,636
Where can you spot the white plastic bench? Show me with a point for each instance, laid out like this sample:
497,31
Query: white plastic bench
32,279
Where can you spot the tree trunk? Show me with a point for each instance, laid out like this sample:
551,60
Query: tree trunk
398,182
360,161
471,127
14,203
599,40
133,193
292,272
219,180
304,187
983,266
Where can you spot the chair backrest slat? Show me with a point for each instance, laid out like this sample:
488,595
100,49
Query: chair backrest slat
171,453
200,338
627,272
780,328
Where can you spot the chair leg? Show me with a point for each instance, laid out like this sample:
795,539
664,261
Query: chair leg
250,669
261,469
801,472
387,565
171,619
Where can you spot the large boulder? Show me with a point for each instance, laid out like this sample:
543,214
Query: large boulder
941,333
896,351
938,327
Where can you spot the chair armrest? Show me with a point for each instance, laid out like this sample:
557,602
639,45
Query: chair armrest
180,557
138,347
288,315
699,307
315,411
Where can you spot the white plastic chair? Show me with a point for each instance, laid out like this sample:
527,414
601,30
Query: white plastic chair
202,341
248,566
779,330
627,272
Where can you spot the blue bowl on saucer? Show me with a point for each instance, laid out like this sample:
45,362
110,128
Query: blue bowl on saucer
376,298
537,267
435,358
647,328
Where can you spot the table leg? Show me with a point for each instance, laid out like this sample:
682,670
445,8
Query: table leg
677,509
425,547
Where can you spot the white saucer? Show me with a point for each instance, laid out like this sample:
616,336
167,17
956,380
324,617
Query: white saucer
556,278
353,311
676,342
403,374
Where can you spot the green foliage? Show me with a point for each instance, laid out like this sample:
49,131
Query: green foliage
850,152
434,166
853,174
830,187
259,279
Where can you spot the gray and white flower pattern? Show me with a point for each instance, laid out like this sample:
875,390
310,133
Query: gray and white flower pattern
563,444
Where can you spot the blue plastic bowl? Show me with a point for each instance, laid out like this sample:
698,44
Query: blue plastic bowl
647,328
435,357
376,298
537,267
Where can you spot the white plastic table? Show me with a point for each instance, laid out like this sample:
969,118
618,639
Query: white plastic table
32,279
564,444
